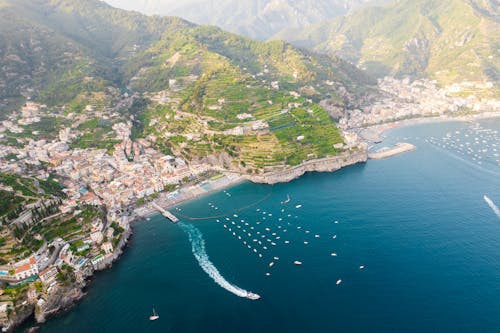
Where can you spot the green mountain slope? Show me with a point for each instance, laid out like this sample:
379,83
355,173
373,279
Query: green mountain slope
452,41
87,58
257,19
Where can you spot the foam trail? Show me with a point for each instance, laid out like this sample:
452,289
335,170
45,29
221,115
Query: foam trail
198,247
492,205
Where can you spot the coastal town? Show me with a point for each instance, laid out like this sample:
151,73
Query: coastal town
102,191
405,99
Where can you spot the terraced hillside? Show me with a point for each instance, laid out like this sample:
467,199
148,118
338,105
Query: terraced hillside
194,90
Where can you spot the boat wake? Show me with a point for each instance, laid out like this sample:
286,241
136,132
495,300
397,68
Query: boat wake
492,205
198,247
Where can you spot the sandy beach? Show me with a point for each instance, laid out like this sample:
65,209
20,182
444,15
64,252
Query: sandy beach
188,193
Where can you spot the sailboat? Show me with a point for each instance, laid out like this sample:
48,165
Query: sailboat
154,316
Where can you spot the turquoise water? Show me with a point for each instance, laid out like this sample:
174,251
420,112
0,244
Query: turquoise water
418,223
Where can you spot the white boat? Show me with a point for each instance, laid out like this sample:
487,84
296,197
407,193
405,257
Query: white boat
252,296
296,262
339,281
154,316
361,267
334,254
298,206
271,264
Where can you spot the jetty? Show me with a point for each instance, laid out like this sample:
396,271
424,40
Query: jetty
165,213
386,152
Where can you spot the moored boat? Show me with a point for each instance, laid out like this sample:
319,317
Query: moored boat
154,316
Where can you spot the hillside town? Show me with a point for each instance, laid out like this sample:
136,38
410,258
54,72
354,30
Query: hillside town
91,179
405,99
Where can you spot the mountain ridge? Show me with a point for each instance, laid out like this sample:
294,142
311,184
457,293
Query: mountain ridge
451,42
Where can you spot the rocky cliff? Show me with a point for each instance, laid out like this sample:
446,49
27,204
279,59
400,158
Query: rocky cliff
328,164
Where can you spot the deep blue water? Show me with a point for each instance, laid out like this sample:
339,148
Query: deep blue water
417,222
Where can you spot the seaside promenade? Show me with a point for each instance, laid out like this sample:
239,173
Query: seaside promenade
168,200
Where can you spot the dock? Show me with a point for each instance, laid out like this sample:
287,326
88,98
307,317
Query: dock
386,152
165,213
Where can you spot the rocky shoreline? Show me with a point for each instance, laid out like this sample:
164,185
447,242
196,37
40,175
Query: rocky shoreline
66,297
328,164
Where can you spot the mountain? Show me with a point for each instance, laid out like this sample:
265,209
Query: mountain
257,19
194,91
451,41
54,50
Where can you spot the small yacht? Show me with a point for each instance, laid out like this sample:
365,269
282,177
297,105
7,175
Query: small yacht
252,296
339,281
296,262
298,206
271,264
154,316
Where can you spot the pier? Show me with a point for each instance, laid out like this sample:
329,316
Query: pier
165,213
386,152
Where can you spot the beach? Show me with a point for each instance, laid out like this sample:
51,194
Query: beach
168,200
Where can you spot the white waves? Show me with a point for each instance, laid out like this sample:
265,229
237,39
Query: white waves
492,205
198,248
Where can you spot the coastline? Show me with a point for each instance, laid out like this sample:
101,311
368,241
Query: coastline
373,133
329,164
186,194
232,178
193,192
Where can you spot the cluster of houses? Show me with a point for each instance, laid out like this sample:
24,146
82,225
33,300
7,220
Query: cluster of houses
406,99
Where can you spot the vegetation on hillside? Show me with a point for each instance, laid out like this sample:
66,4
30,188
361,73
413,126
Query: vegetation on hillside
451,41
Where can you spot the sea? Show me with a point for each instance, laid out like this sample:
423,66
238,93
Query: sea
406,244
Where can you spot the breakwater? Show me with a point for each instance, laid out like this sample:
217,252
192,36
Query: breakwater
386,152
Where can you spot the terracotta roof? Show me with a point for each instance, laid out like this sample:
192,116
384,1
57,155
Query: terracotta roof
23,268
